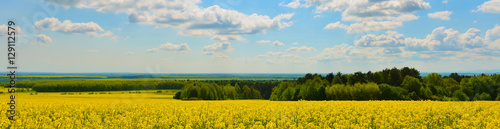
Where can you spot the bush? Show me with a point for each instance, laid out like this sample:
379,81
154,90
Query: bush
177,95
482,96
392,92
460,96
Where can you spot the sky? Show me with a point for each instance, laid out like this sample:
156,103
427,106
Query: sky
258,36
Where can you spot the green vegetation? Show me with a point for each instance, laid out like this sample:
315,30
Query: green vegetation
389,84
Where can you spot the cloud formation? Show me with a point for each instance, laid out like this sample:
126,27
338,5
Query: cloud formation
42,39
492,6
443,15
181,48
370,15
302,49
278,43
186,15
68,27
4,29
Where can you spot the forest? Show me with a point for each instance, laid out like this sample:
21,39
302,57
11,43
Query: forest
389,84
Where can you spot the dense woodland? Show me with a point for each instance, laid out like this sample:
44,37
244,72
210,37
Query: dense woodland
389,84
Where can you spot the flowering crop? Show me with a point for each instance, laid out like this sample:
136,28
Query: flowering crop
148,110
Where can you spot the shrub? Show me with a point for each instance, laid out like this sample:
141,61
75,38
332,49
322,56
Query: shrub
460,96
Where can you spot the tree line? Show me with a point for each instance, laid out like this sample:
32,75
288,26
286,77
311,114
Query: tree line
263,87
214,91
389,84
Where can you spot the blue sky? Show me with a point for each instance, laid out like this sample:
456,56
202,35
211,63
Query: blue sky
270,36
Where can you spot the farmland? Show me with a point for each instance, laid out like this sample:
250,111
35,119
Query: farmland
149,109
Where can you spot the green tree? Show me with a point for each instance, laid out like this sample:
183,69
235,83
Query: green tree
395,77
412,84
460,96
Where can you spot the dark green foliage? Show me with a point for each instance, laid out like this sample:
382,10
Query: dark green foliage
482,96
213,91
393,84
395,77
460,96
412,84
177,95
392,93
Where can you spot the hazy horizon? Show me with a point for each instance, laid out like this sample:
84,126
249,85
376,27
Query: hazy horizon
285,36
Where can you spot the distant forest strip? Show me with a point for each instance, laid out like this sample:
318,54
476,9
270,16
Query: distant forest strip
213,76
257,89
389,84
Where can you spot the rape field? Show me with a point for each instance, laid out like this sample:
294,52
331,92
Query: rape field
157,110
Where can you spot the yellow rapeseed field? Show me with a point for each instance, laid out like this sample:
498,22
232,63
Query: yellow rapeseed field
151,110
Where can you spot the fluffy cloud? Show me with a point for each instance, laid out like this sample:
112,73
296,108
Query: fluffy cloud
181,48
227,37
3,31
69,27
493,36
365,26
263,41
294,4
215,55
362,10
186,15
278,43
129,53
302,49
371,15
444,15
42,39
280,58
492,6
441,39
220,46
390,39
336,52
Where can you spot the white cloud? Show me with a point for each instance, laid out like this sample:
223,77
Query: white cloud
492,6
185,15
336,52
302,49
390,39
443,15
227,37
280,58
263,41
89,28
366,26
444,1
362,10
493,36
278,43
317,16
195,32
181,48
370,15
294,4
93,51
215,55
42,39
295,43
4,31
129,53
220,46
441,39
335,25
